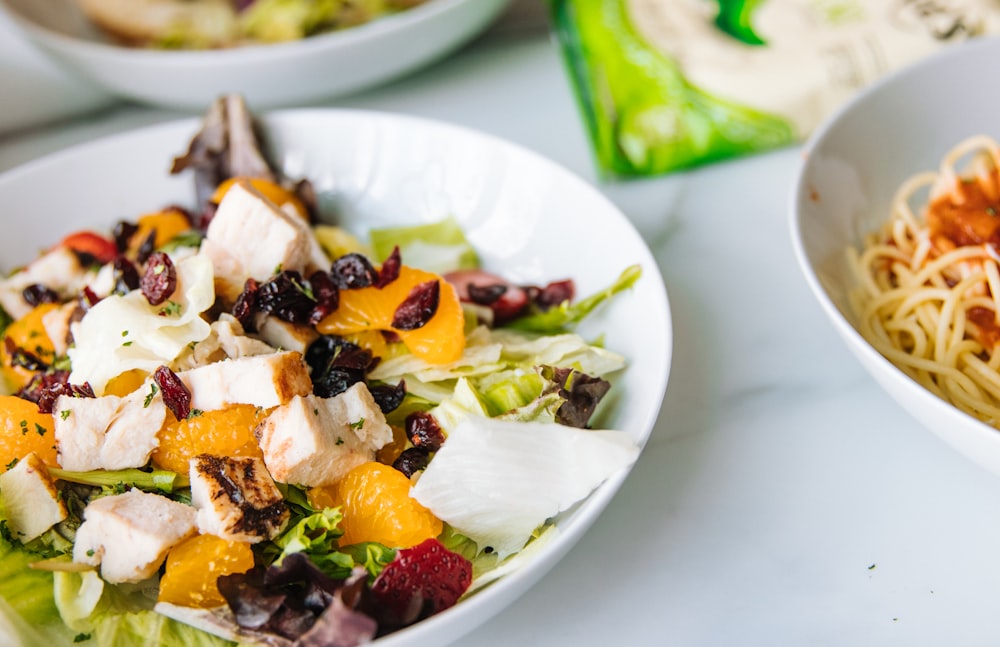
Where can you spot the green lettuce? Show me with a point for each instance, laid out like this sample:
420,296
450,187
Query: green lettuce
435,247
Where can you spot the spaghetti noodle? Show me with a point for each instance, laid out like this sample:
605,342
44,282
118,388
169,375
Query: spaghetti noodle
928,281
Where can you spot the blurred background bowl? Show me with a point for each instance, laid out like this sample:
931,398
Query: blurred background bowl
284,74
854,164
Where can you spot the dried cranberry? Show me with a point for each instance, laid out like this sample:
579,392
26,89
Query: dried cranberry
123,232
555,293
287,297
176,395
353,271
389,271
418,307
88,299
326,294
55,384
36,294
387,397
246,305
411,461
336,365
159,280
486,295
424,431
146,248
125,275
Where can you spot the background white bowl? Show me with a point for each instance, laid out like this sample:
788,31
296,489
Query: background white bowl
529,219
855,163
268,76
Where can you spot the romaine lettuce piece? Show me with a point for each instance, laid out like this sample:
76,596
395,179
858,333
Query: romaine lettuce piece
436,247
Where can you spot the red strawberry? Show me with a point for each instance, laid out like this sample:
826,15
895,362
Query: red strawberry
420,582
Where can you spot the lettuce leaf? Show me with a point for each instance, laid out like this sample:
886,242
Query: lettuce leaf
436,247
28,611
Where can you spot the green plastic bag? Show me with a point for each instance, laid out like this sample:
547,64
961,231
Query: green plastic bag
670,84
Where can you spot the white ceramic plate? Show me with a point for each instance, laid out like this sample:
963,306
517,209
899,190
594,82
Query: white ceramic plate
853,166
268,76
529,219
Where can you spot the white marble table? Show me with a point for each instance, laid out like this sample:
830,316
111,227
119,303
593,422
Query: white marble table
782,499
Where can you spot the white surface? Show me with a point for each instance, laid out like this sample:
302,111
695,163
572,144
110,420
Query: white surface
783,498
282,74
855,166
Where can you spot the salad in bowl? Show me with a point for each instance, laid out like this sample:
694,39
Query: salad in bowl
235,420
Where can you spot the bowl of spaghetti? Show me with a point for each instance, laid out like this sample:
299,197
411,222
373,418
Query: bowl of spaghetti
895,220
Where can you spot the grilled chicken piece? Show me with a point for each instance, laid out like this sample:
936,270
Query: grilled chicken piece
58,269
109,432
262,380
251,237
236,498
128,535
30,500
316,441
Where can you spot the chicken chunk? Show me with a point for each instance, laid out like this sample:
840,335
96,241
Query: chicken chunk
30,500
128,535
59,270
262,380
109,432
315,441
250,237
284,335
236,498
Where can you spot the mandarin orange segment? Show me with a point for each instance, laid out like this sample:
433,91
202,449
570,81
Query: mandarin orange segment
167,223
24,430
27,333
125,383
439,341
224,432
194,567
273,192
377,506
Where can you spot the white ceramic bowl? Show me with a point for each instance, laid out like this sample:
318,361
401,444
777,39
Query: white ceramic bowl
284,74
529,219
852,167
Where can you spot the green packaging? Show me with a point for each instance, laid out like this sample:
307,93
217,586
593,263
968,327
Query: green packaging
664,85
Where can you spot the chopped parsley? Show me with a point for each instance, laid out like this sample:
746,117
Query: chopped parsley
171,309
79,638
65,413
150,396
340,441
40,429
11,464
194,413
358,425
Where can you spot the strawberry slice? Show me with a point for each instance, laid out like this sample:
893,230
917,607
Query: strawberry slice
419,582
